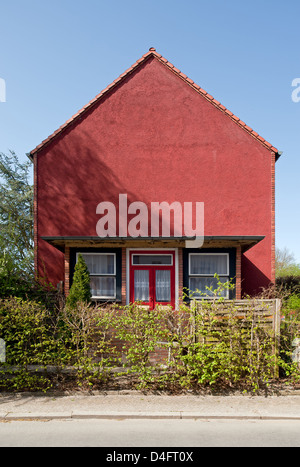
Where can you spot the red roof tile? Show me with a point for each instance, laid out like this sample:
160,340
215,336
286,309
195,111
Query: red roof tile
152,53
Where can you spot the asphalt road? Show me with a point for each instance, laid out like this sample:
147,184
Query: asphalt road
149,433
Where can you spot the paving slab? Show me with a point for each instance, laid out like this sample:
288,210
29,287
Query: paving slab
138,405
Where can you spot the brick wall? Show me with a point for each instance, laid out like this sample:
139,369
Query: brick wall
35,213
273,218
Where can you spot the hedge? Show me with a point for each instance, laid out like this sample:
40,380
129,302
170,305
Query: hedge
101,345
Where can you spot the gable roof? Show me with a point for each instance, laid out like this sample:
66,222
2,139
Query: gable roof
152,53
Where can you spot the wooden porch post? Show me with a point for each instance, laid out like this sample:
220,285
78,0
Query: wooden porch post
180,276
123,290
67,270
238,284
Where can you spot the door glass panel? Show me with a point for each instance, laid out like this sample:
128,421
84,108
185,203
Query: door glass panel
163,286
152,259
141,285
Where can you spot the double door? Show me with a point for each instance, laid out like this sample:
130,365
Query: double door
152,278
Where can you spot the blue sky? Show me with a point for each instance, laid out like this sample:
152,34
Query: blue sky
56,56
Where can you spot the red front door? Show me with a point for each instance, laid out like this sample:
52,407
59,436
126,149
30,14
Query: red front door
152,278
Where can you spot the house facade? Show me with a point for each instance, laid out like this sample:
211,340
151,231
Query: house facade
159,187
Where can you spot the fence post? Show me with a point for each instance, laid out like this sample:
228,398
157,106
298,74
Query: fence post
193,308
276,318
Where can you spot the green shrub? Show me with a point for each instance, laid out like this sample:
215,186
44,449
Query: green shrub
37,339
80,290
141,330
289,283
293,303
29,341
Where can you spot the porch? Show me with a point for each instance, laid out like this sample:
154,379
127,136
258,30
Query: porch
226,249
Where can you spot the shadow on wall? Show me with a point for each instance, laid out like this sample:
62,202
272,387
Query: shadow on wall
253,279
70,191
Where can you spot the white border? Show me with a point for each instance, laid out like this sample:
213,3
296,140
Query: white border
128,250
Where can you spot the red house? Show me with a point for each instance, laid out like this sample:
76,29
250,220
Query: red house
147,165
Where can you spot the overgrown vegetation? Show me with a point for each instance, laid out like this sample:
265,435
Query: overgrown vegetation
202,346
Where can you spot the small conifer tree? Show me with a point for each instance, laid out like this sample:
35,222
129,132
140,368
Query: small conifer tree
80,290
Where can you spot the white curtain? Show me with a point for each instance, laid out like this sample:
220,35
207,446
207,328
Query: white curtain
103,286
208,264
99,264
198,286
141,285
163,286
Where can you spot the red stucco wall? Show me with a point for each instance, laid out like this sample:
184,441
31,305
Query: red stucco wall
156,139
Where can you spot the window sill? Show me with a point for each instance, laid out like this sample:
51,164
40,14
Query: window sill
106,300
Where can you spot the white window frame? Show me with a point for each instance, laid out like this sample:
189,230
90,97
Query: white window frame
207,297
153,254
103,297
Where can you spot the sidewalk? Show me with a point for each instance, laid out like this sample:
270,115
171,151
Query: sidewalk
133,404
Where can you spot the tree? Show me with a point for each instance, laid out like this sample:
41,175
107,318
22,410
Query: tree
285,263
80,290
16,216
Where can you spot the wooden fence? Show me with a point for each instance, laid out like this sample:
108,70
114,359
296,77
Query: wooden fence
266,312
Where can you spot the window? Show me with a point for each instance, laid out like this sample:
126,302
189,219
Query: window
148,259
202,267
102,269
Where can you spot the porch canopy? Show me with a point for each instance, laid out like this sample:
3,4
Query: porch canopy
244,241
